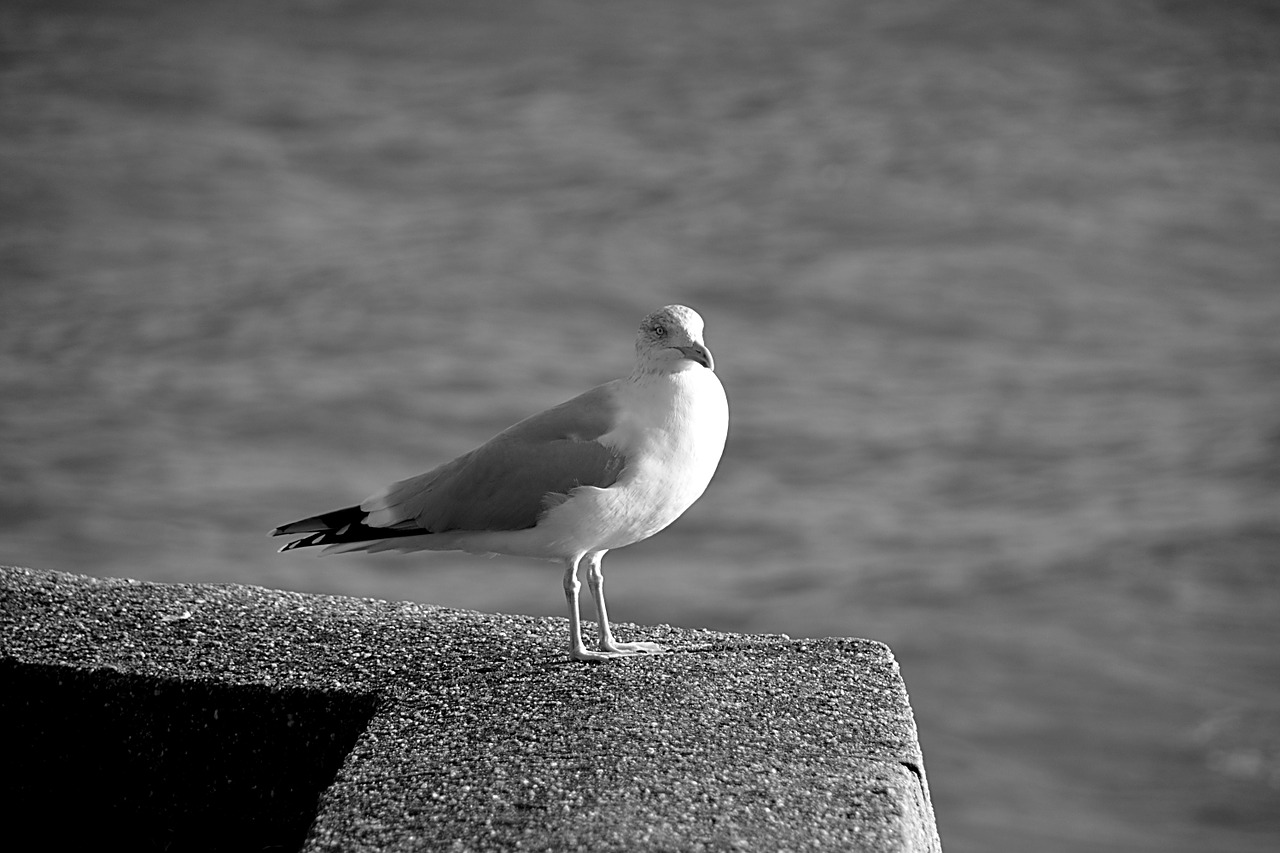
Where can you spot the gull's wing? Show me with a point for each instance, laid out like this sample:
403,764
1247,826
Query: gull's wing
505,484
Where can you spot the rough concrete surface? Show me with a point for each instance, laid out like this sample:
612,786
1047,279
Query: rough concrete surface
231,716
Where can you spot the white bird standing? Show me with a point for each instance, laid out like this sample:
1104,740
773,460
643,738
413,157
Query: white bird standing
604,470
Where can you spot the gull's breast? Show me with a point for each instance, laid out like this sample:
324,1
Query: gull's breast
672,432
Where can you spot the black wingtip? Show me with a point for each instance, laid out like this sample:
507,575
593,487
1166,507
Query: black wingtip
323,523
340,527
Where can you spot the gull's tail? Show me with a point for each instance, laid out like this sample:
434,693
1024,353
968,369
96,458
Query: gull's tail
340,527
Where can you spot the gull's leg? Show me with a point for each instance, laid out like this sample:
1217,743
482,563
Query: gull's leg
577,649
595,578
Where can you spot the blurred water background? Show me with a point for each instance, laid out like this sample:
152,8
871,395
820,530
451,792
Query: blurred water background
994,288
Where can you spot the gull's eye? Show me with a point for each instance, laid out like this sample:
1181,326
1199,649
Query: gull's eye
659,331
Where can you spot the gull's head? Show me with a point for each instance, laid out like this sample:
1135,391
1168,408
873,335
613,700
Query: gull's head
670,340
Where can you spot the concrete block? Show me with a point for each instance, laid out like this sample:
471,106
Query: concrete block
232,717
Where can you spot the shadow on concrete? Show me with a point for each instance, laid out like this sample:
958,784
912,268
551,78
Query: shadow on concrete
100,759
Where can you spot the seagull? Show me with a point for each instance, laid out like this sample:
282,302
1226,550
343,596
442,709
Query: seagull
607,469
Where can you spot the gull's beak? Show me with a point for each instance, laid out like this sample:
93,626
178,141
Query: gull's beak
700,354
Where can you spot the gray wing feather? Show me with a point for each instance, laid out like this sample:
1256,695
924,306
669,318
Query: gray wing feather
505,483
